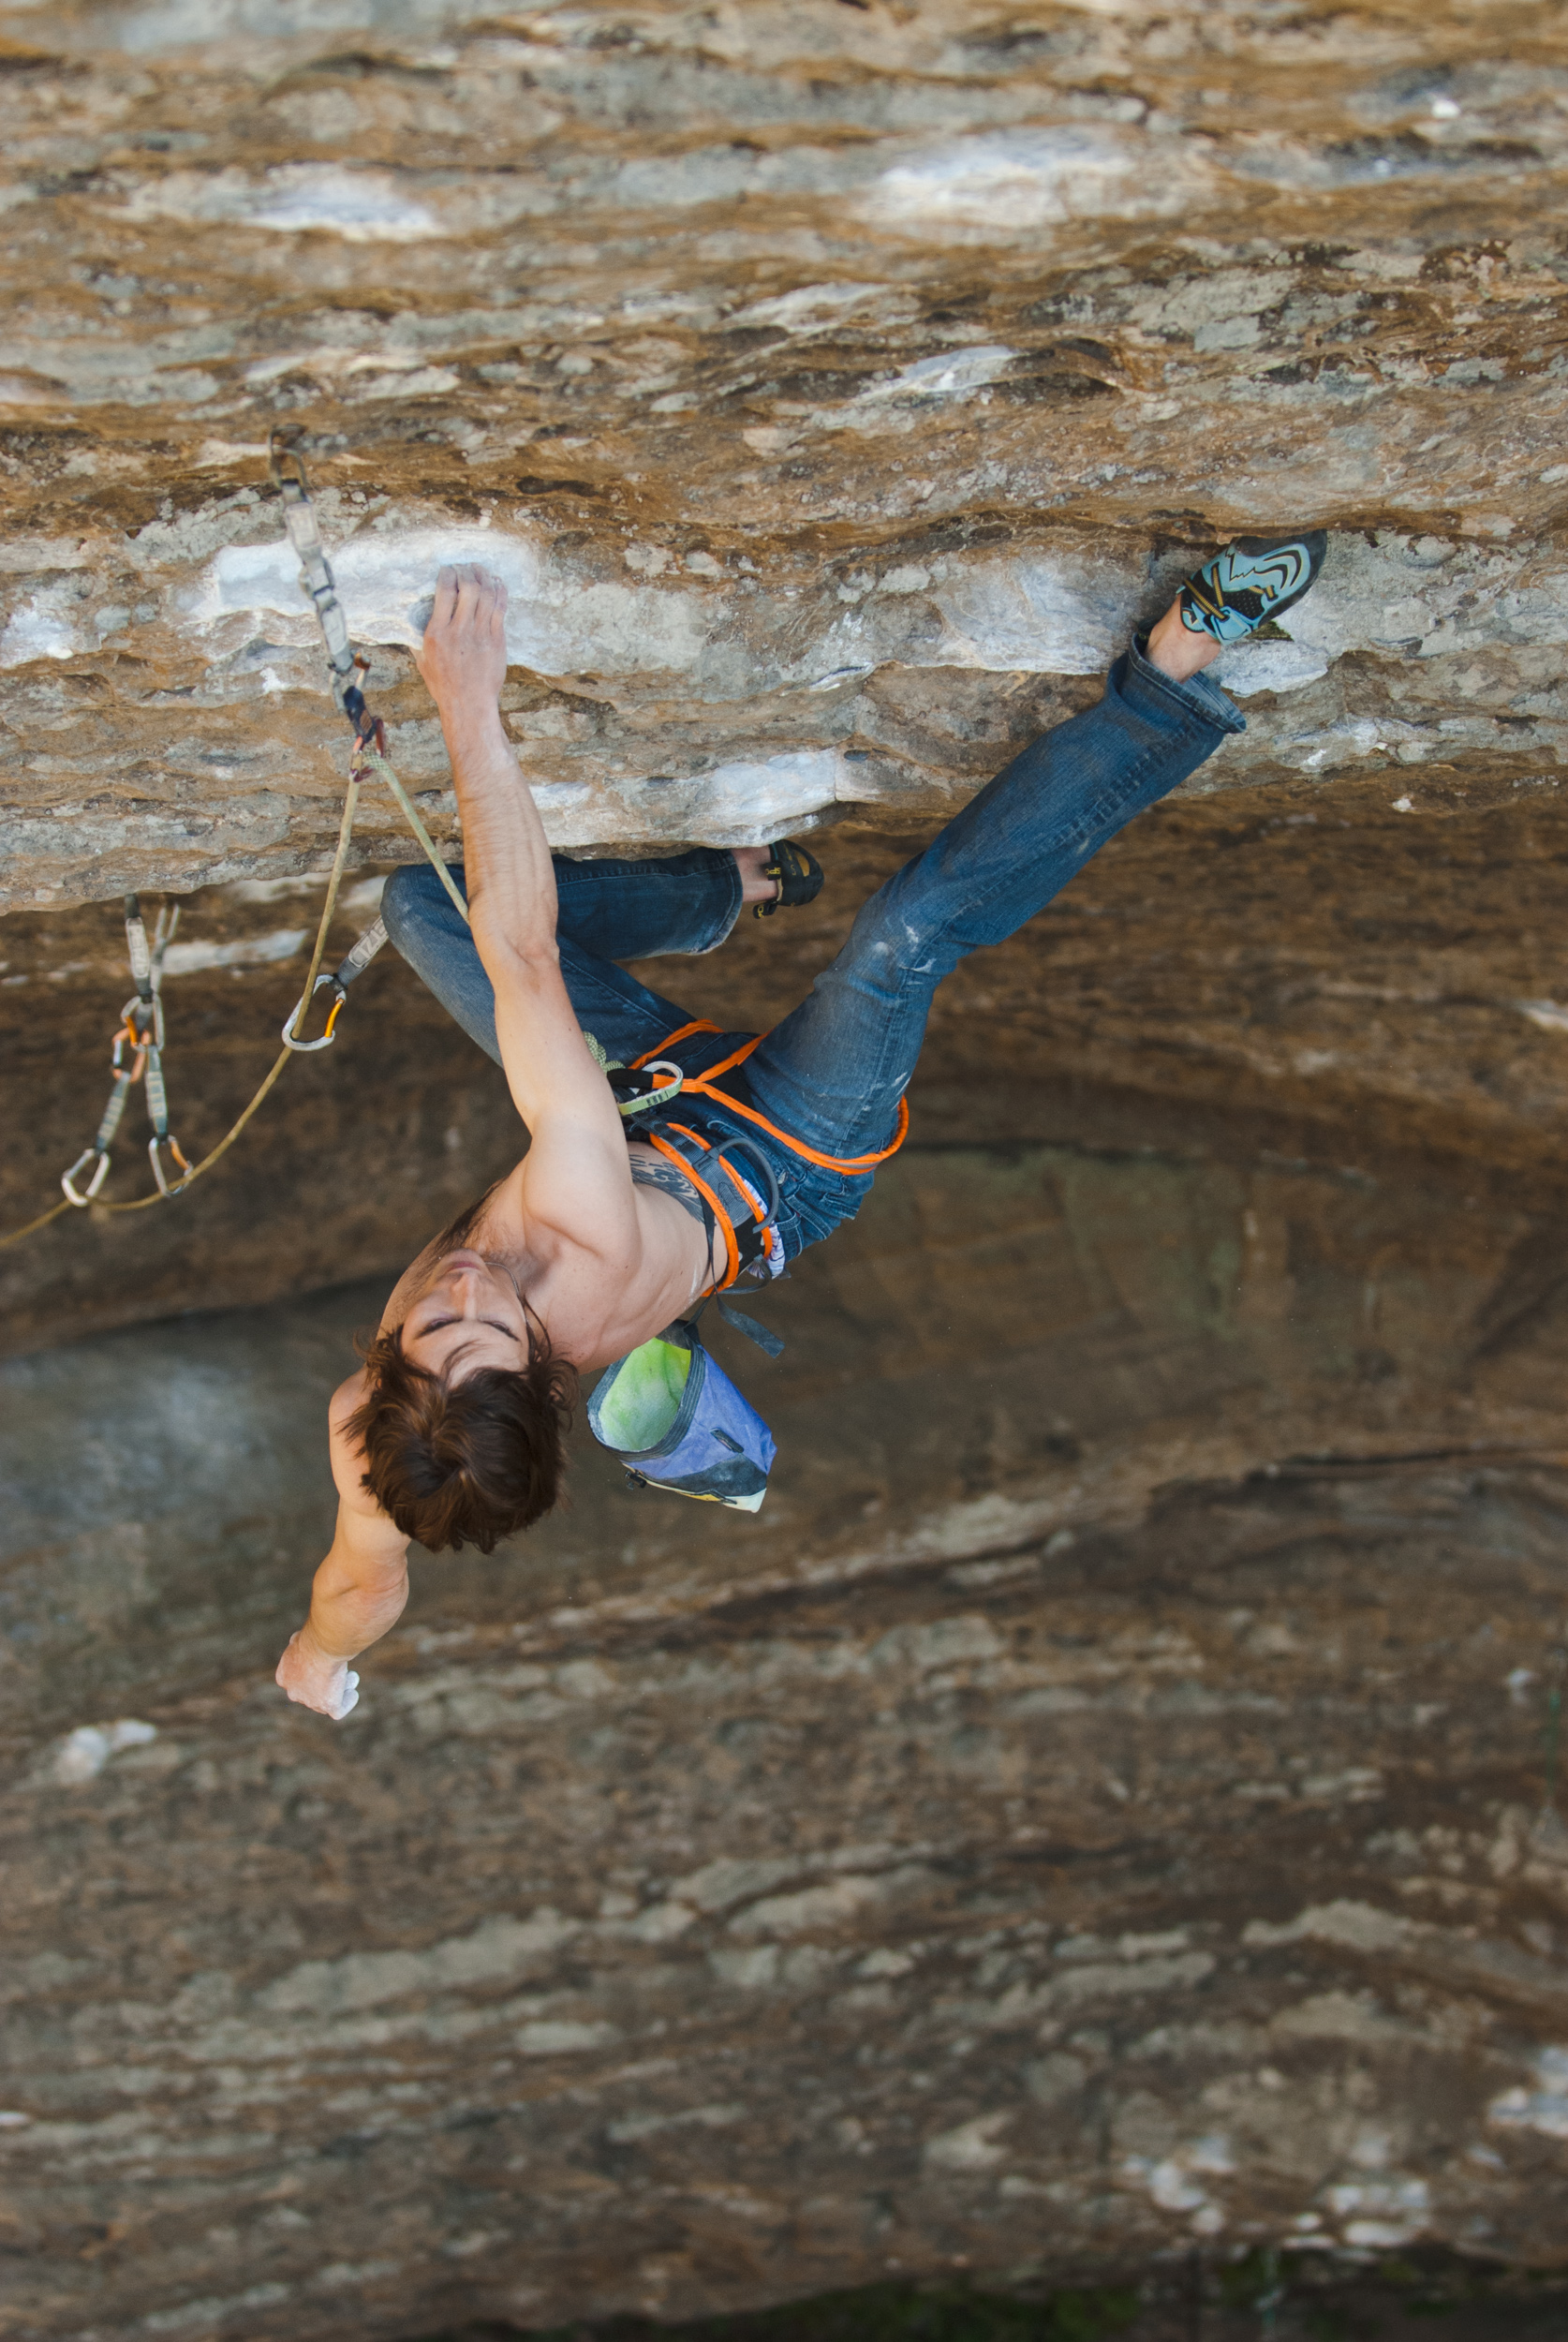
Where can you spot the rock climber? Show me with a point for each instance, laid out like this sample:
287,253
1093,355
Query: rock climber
452,1431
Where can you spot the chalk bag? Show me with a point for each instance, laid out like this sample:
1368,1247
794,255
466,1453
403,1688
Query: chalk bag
677,1422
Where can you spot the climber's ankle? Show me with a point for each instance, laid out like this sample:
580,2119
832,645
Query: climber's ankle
1175,650
752,862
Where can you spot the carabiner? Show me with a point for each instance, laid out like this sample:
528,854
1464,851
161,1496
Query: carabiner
306,1047
173,1146
281,452
630,1095
68,1179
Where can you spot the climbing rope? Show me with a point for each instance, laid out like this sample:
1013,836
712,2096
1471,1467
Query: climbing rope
140,1038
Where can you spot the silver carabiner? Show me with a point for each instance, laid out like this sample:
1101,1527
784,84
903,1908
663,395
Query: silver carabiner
172,1144
305,1049
68,1179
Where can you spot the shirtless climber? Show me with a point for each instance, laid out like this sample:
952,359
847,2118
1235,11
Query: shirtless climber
452,1431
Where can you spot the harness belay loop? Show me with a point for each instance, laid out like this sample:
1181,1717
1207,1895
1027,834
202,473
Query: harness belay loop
638,1089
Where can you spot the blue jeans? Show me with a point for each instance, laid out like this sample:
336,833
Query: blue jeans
833,1071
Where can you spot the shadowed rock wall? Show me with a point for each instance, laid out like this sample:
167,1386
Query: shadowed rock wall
1096,1805
1350,989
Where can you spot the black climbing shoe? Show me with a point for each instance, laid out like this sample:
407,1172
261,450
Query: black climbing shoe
799,875
1251,581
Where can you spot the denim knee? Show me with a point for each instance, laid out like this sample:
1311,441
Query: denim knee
407,899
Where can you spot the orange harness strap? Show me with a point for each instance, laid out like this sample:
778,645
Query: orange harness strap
732,1251
758,1211
701,1086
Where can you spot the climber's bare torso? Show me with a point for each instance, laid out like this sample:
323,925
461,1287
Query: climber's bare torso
489,1302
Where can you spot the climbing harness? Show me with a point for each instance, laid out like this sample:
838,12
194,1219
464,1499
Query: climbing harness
140,1032
751,1241
704,1084
139,1046
672,1415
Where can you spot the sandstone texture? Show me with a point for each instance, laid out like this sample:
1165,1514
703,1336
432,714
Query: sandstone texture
1107,1805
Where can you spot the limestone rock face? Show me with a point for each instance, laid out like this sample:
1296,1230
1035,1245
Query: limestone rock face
1104,1805
808,372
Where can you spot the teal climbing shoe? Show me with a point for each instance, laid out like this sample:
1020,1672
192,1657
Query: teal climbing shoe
799,875
1254,580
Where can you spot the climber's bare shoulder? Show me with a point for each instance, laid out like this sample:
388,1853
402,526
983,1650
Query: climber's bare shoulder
361,1519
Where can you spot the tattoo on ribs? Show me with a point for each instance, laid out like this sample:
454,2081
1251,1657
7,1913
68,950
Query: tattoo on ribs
648,1171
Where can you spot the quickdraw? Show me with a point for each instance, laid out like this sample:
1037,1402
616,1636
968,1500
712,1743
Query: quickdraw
287,471
353,965
140,1032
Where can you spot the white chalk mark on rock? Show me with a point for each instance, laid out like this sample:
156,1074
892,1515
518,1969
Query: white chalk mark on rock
83,1754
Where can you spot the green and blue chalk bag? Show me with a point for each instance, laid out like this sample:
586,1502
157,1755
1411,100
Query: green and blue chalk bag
677,1421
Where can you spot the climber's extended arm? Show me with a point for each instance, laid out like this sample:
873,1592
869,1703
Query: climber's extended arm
360,1589
506,855
576,1180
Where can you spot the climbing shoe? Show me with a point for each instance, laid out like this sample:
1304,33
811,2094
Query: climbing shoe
1254,580
799,875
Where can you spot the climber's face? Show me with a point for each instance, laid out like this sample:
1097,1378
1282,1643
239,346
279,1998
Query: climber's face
470,1314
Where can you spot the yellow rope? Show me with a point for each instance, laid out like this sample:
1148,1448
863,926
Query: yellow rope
345,831
42,1221
373,757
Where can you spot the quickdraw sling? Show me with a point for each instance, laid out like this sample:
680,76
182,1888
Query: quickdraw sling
139,1043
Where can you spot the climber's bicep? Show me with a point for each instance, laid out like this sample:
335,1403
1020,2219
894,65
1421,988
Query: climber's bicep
550,1070
576,1188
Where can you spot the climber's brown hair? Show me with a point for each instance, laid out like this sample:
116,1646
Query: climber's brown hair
468,1462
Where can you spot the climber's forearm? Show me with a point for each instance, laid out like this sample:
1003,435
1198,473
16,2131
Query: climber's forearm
510,876
359,1593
